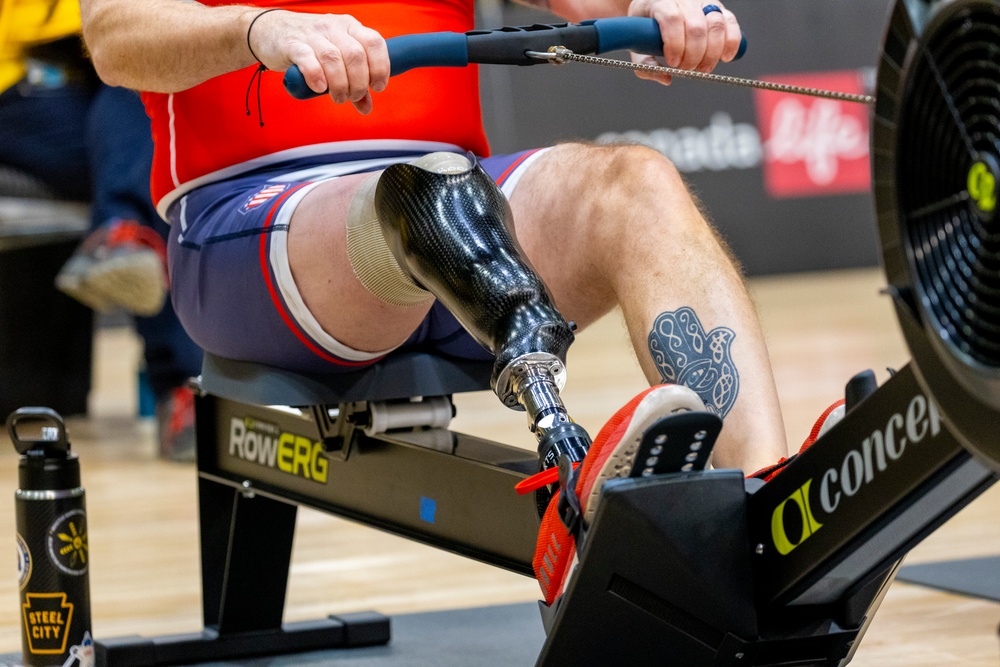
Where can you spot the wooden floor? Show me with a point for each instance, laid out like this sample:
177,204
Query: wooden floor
142,516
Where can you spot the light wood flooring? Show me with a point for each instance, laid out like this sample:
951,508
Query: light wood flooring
821,328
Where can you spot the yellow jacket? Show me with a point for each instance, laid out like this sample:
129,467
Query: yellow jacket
24,23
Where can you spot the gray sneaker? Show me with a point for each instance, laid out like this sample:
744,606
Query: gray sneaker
121,264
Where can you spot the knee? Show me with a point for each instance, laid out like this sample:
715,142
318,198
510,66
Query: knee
635,187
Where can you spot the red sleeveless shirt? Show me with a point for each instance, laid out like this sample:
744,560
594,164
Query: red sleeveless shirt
203,134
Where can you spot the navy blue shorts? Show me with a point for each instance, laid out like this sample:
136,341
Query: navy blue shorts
233,289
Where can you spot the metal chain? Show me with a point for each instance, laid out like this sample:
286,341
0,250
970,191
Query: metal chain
560,54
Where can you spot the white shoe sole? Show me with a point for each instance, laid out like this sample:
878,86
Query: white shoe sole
135,282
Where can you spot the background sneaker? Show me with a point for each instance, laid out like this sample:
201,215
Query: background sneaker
120,264
175,425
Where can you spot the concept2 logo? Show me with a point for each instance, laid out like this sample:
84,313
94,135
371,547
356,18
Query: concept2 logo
982,187
794,519
267,445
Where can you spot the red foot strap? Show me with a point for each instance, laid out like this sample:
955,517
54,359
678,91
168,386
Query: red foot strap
538,480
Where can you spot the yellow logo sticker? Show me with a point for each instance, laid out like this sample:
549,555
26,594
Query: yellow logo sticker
67,541
47,619
810,525
982,185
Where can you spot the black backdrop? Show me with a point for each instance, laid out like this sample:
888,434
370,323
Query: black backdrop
796,203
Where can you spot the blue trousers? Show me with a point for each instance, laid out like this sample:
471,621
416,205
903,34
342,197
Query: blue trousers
94,144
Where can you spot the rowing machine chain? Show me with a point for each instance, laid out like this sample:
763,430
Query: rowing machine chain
560,54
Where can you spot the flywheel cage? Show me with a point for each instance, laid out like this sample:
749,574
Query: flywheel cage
946,178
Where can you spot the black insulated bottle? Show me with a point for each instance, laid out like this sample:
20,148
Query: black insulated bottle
52,552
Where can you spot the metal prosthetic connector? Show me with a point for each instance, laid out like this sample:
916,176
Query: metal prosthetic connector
453,234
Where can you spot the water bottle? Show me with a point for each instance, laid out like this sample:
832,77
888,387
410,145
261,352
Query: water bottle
53,559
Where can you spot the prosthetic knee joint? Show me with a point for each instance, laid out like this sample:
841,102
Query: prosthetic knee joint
448,228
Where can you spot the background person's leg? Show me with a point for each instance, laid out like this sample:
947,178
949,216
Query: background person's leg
616,225
42,133
121,151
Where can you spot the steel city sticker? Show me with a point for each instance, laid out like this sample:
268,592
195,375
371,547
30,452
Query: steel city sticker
793,520
814,146
47,620
267,445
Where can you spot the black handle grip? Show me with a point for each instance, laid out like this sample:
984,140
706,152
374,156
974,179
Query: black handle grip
507,46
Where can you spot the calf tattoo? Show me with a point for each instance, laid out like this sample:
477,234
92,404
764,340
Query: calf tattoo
684,353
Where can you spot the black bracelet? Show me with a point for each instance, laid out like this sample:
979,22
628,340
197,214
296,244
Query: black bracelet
251,28
258,71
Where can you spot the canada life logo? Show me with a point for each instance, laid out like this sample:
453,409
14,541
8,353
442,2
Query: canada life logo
814,146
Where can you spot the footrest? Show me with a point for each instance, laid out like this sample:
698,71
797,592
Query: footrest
677,443
663,576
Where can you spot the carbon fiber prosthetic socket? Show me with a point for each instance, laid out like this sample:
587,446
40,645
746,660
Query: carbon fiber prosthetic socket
453,234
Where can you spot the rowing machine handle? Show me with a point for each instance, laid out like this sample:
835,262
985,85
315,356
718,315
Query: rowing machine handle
507,46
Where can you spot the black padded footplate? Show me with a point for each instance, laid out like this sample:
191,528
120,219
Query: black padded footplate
399,375
677,443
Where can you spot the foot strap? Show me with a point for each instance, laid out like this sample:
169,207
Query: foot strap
570,511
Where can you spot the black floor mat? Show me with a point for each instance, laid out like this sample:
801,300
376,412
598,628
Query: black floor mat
975,577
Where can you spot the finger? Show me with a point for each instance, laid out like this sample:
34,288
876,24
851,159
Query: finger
355,59
670,17
303,56
378,56
364,105
332,62
733,35
659,77
695,35
715,40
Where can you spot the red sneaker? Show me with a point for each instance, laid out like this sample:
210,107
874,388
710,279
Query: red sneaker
826,421
175,425
611,456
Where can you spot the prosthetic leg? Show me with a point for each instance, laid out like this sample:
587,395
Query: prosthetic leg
452,233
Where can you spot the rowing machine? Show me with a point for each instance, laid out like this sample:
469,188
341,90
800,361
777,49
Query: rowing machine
684,568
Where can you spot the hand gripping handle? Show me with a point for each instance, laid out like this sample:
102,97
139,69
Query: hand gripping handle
507,46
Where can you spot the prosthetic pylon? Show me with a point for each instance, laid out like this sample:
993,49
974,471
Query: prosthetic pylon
453,234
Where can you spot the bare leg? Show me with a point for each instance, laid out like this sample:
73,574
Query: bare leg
317,253
615,225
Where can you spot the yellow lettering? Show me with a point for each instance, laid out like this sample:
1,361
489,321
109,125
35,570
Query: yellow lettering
303,447
286,452
319,463
809,523
982,186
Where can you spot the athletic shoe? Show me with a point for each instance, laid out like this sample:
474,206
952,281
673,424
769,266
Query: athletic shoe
175,425
122,263
830,417
611,456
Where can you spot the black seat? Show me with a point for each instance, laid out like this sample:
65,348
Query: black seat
400,375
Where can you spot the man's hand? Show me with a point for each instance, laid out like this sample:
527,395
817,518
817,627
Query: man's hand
334,53
691,39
